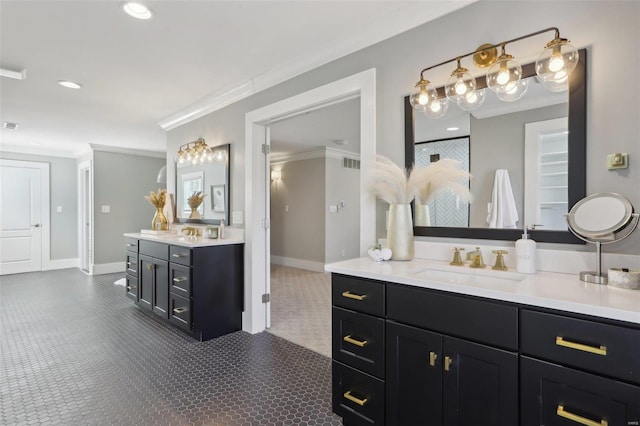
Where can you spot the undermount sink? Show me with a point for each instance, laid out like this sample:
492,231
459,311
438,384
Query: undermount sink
470,276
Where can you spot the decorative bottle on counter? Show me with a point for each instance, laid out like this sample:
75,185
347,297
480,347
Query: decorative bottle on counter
221,230
526,254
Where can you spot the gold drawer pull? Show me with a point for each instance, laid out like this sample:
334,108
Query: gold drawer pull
432,358
352,398
353,341
447,363
179,310
151,266
179,279
350,295
579,419
179,255
131,245
602,350
131,287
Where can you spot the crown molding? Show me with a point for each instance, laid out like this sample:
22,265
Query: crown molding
411,16
36,150
128,151
312,154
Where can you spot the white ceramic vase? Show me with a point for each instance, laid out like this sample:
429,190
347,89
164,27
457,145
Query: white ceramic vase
400,232
423,218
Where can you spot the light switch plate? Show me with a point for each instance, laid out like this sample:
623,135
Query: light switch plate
236,218
105,209
333,209
59,209
619,160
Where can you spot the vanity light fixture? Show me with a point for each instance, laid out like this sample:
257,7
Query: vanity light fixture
276,175
137,10
198,152
504,76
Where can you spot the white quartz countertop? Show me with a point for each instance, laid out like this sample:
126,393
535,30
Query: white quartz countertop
544,289
232,236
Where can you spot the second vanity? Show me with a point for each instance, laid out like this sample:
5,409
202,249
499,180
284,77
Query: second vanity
421,342
194,283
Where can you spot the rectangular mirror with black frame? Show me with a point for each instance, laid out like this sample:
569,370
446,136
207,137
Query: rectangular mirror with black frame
212,179
540,140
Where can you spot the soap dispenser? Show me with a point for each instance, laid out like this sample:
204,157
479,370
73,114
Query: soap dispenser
221,229
526,254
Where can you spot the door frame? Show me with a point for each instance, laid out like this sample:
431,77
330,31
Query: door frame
45,208
85,209
256,261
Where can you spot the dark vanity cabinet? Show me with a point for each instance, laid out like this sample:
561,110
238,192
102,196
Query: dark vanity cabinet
452,359
199,290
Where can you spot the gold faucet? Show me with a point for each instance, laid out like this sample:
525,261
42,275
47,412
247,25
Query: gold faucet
499,266
457,260
476,258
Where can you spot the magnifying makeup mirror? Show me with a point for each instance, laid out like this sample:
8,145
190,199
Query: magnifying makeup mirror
597,219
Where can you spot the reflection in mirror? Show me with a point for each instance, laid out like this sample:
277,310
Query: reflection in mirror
537,141
210,178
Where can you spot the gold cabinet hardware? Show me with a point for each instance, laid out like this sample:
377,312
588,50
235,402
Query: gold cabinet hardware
602,350
179,255
432,358
579,419
150,266
131,287
131,245
350,295
353,341
352,398
179,279
447,363
128,263
179,310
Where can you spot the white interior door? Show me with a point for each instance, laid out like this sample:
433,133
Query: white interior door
22,215
267,215
85,216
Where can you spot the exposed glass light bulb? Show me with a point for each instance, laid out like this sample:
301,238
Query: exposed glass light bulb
504,73
515,91
421,98
459,84
437,107
473,100
557,60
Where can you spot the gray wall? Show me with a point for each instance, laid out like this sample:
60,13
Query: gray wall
608,29
342,229
299,233
121,181
63,181
491,150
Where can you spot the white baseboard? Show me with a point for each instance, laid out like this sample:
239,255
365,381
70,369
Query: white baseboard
52,264
107,268
298,263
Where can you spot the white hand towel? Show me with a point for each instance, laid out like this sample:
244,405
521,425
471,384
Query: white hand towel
503,212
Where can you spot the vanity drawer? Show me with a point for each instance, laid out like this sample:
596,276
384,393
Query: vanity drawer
180,312
180,280
479,320
132,244
607,349
131,287
358,294
181,255
157,250
132,264
553,395
357,397
358,341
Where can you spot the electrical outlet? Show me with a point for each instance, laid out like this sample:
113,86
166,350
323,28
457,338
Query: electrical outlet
237,218
619,160
59,209
286,208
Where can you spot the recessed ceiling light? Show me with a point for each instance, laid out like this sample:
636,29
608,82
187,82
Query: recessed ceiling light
9,125
36,143
69,84
452,129
137,10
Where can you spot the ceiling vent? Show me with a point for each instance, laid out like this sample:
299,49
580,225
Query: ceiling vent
10,126
350,163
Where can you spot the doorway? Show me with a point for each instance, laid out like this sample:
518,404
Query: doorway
85,231
257,177
314,217
24,216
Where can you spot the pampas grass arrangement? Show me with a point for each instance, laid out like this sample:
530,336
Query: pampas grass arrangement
394,185
196,199
157,200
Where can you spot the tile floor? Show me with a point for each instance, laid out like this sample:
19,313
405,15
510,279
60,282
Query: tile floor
76,351
301,307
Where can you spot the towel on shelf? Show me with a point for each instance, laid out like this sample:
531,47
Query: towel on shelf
503,212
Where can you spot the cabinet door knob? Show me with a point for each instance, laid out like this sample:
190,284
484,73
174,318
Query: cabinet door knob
602,350
432,358
355,399
447,363
356,342
579,419
350,295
